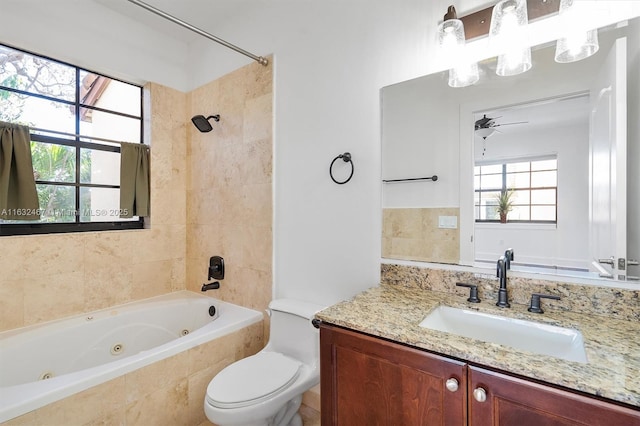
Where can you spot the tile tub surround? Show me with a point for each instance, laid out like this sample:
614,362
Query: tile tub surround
169,392
413,234
612,345
229,186
609,302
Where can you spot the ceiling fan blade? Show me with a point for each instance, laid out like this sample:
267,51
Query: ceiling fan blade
508,124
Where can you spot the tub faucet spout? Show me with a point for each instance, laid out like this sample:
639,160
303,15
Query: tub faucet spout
211,286
501,273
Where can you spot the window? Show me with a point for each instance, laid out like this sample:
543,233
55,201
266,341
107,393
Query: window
534,184
77,177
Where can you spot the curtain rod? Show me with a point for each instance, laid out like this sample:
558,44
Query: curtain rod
76,135
261,60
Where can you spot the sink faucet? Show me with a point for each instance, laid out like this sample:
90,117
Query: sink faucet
501,273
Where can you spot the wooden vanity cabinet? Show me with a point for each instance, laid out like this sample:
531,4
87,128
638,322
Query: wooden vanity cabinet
519,402
370,381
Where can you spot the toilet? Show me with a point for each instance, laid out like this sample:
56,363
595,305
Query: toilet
266,389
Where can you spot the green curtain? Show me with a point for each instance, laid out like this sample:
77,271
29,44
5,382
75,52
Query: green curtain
134,180
18,195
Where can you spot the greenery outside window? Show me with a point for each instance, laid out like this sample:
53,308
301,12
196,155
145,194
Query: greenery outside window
534,183
77,177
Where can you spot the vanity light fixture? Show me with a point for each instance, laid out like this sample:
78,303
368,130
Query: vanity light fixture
509,22
578,43
451,40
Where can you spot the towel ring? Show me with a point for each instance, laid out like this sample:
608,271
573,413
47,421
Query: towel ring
346,157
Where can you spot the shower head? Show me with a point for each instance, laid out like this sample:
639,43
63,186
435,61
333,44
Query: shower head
202,122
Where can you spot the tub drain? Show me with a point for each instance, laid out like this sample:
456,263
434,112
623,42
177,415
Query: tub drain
117,349
184,332
46,375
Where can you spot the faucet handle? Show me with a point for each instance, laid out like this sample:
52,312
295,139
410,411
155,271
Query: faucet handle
473,292
534,306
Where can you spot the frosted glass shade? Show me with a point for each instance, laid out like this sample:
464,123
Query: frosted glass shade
464,75
508,33
451,40
485,132
578,43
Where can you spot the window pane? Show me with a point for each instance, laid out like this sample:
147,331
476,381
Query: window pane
518,167
109,126
476,182
487,205
20,70
101,205
106,93
53,163
491,181
520,197
36,112
544,165
57,202
543,179
518,180
519,213
476,170
543,196
543,213
493,168
99,167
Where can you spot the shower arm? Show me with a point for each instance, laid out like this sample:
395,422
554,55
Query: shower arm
261,60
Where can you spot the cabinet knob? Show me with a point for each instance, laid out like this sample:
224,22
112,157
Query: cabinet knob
480,394
452,384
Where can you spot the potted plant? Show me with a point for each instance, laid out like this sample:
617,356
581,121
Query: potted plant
505,204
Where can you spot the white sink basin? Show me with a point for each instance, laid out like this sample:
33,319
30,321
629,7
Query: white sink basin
559,342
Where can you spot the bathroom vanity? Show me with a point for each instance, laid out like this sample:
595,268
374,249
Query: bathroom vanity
379,366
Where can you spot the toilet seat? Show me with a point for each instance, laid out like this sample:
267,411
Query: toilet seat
252,380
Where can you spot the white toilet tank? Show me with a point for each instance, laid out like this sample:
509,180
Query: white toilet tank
291,331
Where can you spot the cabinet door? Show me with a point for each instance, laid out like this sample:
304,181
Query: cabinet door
512,401
370,381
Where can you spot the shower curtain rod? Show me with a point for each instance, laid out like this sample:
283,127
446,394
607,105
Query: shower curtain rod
75,135
261,60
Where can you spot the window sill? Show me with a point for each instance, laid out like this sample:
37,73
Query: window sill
532,226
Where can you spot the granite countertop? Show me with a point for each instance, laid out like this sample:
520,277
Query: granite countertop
612,345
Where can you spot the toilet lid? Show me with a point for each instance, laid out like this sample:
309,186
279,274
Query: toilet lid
251,379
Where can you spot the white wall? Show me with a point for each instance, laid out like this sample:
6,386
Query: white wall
332,57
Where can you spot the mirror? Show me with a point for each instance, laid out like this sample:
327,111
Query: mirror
544,127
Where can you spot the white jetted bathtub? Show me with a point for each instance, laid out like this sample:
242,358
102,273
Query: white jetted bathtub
45,363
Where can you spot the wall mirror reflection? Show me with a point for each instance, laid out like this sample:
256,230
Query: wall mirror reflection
557,147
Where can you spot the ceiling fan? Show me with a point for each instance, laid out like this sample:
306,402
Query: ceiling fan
486,126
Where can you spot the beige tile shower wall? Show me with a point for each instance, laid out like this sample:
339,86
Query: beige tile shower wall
229,187
45,277
413,234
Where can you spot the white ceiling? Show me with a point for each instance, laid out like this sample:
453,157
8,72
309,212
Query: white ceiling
541,115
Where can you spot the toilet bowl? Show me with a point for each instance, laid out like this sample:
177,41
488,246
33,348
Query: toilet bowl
266,388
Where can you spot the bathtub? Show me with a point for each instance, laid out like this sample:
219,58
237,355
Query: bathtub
45,363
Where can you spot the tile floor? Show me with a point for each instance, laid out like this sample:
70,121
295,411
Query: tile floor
310,417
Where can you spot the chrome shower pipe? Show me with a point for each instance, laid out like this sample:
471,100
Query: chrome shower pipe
261,60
